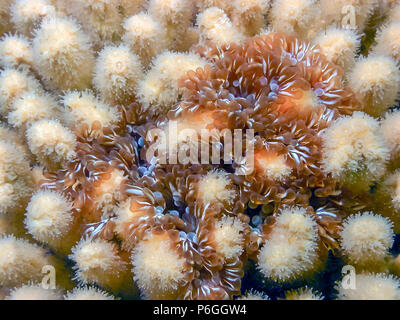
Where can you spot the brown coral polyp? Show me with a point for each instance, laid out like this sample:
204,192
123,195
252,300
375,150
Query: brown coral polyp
282,88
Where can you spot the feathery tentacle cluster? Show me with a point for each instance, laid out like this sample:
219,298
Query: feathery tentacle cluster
86,87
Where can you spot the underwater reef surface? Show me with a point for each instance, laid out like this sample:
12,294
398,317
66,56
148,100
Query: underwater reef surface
199,149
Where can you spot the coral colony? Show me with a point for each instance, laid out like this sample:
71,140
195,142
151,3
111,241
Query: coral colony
110,187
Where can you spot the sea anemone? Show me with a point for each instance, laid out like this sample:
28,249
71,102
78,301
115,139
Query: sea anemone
62,54
30,107
15,50
388,198
88,293
116,74
216,188
22,261
291,248
371,287
26,15
186,232
98,262
248,16
393,181
353,150
83,107
51,143
34,292
49,219
16,182
378,91
388,41
175,18
339,46
294,16
159,90
144,36
229,237
100,18
303,294
366,238
13,83
216,26
158,267
253,295
282,261
391,132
